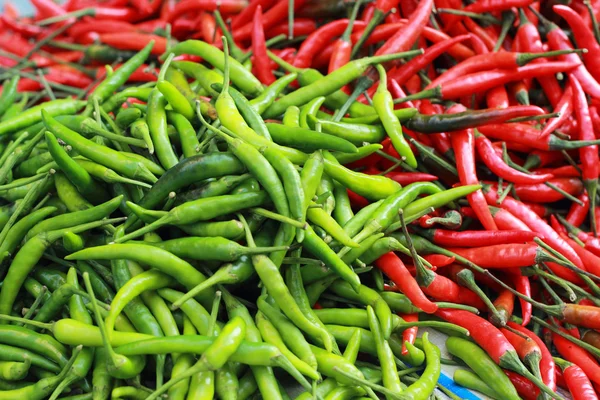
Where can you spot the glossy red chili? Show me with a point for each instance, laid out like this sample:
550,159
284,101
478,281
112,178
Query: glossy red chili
496,164
391,265
547,366
537,224
464,151
571,352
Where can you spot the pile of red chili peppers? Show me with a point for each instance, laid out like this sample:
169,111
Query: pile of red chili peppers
503,94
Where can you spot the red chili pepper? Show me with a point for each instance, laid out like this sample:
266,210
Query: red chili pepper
397,93
526,389
565,108
527,349
577,213
442,288
245,16
272,16
540,193
547,366
405,37
101,26
497,97
464,150
151,25
589,259
502,255
67,75
589,154
405,178
317,40
402,73
342,47
438,260
481,33
487,336
584,37
530,41
537,224
497,165
444,237
17,45
321,60
48,8
142,6
261,66
409,334
391,265
134,41
441,141
385,31
577,381
523,286
368,13
207,26
506,221
558,40
302,27
528,135
357,200
482,6
482,81
24,29
504,304
485,62
571,352
595,119
224,6
566,171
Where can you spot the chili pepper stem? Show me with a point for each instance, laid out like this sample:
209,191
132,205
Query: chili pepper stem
74,14
554,310
424,275
564,261
365,384
467,279
278,217
423,94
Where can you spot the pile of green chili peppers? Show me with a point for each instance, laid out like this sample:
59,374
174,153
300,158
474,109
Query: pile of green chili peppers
176,245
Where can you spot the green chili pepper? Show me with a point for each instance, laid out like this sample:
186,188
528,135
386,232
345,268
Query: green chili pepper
483,365
373,187
425,385
268,96
384,105
84,360
9,94
310,110
74,172
352,132
119,366
291,117
471,381
160,259
43,387
241,77
33,116
118,78
291,336
307,139
103,155
331,83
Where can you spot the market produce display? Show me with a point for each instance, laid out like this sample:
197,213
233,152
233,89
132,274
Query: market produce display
231,198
